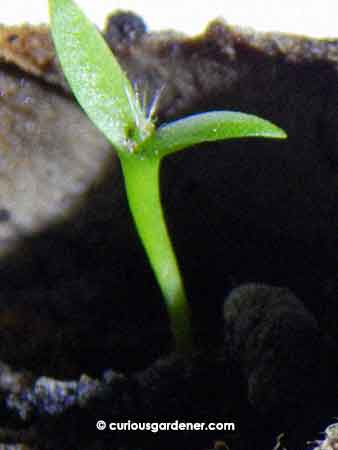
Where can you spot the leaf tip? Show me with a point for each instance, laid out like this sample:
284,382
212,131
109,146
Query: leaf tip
279,133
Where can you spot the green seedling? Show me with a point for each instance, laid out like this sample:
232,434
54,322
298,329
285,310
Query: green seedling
107,96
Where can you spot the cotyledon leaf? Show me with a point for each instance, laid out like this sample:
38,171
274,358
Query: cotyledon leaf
206,127
96,78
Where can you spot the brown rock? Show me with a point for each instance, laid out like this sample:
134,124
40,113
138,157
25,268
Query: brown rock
31,49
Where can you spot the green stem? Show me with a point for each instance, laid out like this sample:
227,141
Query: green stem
142,185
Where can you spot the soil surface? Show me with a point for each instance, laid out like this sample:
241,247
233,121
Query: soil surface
83,332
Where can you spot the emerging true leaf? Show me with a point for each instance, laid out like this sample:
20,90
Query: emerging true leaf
96,78
210,126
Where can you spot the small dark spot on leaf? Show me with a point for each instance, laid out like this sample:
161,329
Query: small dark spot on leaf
131,132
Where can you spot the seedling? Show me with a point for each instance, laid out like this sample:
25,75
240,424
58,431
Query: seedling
107,96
